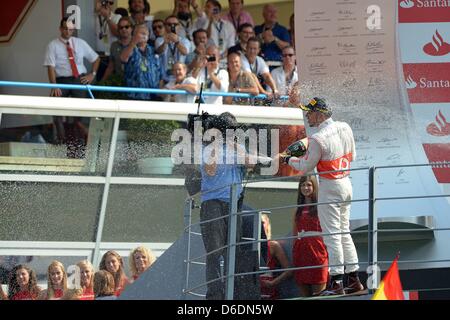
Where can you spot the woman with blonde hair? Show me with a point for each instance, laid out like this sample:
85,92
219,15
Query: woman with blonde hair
3,295
86,280
113,263
56,282
22,284
276,259
104,287
140,260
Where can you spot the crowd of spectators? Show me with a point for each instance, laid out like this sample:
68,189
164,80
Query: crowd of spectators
105,284
189,48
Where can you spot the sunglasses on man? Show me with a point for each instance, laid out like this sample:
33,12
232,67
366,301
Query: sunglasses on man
124,27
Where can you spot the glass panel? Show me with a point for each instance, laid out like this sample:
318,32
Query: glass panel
144,148
54,145
49,211
144,214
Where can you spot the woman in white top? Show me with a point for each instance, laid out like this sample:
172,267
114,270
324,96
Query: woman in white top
182,82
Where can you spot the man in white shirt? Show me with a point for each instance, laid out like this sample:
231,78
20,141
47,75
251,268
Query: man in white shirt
221,32
253,63
181,82
64,61
286,76
213,78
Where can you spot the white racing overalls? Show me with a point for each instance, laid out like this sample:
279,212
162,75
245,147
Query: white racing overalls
333,148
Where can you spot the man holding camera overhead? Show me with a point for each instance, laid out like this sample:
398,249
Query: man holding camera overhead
106,32
221,32
171,48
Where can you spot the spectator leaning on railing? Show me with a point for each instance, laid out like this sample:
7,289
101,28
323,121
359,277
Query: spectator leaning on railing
240,81
182,82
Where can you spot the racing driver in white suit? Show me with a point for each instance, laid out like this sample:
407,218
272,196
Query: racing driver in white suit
332,148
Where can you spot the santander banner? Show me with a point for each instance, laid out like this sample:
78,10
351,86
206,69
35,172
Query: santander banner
426,67
423,11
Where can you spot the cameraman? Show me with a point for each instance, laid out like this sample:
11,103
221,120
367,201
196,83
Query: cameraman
218,175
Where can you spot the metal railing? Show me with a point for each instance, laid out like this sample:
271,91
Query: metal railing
93,88
372,232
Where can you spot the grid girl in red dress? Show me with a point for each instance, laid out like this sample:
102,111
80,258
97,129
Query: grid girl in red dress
309,251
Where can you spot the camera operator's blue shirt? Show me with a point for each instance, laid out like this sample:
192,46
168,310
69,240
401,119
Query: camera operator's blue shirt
217,187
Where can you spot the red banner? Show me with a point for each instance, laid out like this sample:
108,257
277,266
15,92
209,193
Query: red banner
428,82
11,16
423,11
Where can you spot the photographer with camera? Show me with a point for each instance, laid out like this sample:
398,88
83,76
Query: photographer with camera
106,32
220,32
171,47
212,76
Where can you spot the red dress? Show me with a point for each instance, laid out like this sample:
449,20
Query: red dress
309,251
88,294
272,264
23,295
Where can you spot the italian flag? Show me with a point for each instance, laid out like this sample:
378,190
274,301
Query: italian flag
391,286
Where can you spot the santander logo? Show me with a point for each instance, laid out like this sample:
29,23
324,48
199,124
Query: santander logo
410,83
406,4
441,128
438,47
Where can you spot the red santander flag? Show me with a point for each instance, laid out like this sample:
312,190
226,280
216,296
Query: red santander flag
391,286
